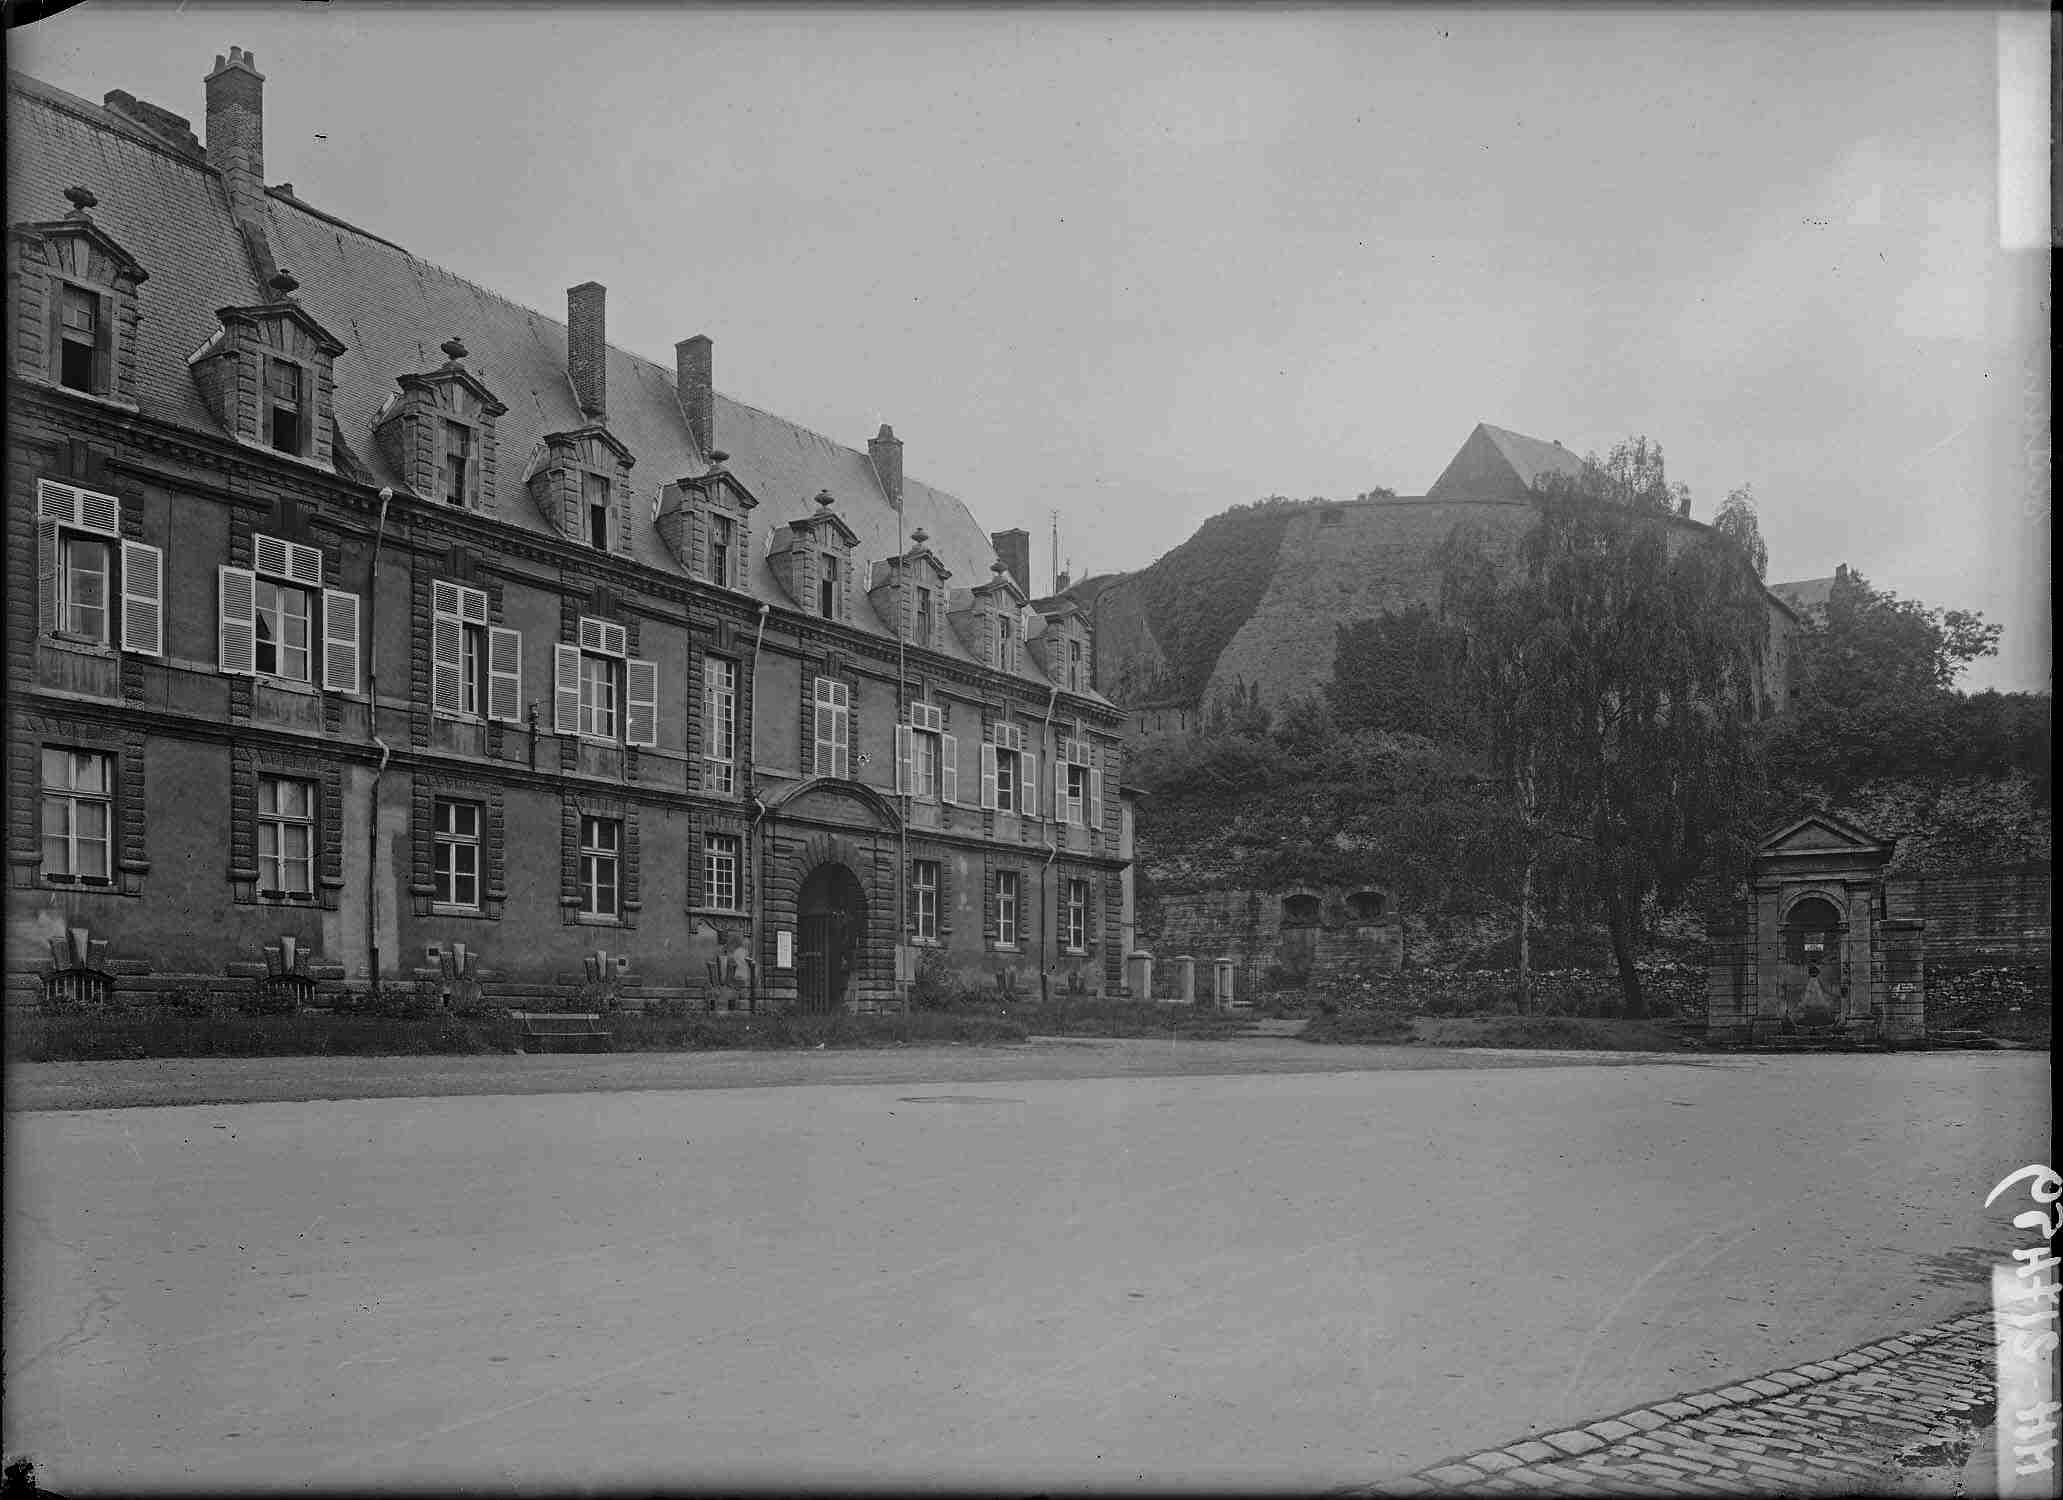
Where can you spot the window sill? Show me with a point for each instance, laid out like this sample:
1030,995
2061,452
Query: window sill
79,645
927,942
288,898
451,909
79,882
594,919
732,912
1006,947
295,685
44,382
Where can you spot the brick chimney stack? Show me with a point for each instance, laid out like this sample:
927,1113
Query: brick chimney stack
694,364
886,449
1013,550
236,125
587,348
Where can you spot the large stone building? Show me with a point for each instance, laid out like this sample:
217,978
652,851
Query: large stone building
363,624
1333,563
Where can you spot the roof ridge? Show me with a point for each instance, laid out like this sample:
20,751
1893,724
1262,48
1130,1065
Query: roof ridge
100,117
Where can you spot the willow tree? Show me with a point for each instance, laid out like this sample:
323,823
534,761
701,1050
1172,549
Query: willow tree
1613,658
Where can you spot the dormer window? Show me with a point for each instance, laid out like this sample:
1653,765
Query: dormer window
594,495
266,374
812,559
82,348
927,615
1005,656
438,433
720,528
458,463
827,587
909,591
284,426
76,288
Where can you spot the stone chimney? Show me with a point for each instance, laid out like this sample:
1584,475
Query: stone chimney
236,125
175,131
1013,550
694,364
886,449
587,348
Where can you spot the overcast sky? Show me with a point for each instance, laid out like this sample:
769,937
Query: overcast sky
1137,266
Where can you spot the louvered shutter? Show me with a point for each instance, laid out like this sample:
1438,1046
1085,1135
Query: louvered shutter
1063,810
46,573
447,650
269,553
1028,783
641,698
236,649
824,754
949,767
304,564
101,513
504,674
841,731
143,599
988,777
1095,799
904,780
104,348
565,689
339,641
472,605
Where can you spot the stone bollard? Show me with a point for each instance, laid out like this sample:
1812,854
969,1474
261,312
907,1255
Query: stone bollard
1223,986
1139,974
1185,976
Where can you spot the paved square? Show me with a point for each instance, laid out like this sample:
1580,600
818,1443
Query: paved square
1299,1280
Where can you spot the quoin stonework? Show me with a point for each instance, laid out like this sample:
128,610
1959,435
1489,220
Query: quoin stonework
363,625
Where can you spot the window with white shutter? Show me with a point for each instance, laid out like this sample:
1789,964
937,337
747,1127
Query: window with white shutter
720,724
602,693
143,599
339,641
949,768
504,673
237,632
919,752
831,729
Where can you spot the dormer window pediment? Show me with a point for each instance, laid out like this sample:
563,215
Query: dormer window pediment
580,480
76,286
911,589
439,432
812,559
267,374
706,523
991,621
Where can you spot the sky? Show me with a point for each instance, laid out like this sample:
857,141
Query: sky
1129,267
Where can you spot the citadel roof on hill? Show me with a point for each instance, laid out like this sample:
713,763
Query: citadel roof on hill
159,196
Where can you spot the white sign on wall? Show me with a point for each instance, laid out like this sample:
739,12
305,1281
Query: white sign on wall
784,949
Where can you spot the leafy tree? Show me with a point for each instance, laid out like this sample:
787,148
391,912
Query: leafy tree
1872,691
1617,686
1736,522
1633,475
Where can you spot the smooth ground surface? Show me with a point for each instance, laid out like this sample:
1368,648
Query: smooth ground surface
244,1080
1298,1279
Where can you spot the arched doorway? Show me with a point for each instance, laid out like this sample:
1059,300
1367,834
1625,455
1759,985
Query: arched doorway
831,913
1813,984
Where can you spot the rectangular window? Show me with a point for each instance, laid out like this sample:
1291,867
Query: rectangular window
475,669
832,728
720,550
472,670
1077,794
598,695
456,853
720,859
79,335
458,463
1006,908
924,758
286,836
78,814
1006,645
1074,666
720,725
282,623
827,585
594,493
601,855
85,569
1078,915
284,405
926,625
924,900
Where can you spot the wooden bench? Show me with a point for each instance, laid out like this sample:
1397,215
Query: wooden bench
561,1031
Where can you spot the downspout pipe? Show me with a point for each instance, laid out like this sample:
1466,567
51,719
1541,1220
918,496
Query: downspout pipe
1052,853
372,729
759,811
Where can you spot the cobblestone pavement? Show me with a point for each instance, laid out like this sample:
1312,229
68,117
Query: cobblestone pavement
1859,1422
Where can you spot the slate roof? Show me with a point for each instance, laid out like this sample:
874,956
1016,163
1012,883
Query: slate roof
1530,457
1805,595
392,310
